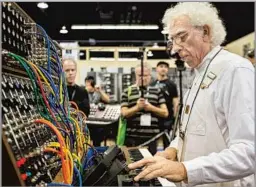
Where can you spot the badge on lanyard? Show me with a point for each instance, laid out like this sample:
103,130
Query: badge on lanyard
145,120
208,80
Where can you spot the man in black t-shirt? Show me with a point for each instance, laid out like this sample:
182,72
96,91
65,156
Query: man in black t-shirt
75,93
170,93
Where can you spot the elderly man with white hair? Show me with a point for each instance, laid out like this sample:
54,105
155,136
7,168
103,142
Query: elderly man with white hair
215,143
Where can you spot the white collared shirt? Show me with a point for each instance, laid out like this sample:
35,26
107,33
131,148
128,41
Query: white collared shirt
206,158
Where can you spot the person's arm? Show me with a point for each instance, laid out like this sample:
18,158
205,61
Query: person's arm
175,103
129,112
235,98
125,110
175,100
104,97
161,111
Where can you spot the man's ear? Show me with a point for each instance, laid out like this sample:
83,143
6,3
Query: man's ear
207,33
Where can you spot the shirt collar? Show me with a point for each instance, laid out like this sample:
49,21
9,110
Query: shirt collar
206,60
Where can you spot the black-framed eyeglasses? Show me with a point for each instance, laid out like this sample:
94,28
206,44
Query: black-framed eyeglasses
178,40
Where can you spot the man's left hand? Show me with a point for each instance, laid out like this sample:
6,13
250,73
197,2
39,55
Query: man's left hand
158,166
148,107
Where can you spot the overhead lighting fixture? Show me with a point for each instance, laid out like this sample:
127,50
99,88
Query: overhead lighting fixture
155,45
81,54
63,30
42,5
128,49
115,27
150,54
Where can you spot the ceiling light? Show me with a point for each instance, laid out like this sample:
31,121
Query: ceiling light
42,5
155,45
128,49
134,8
114,27
63,30
149,54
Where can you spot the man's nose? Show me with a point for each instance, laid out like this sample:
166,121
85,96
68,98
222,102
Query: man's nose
175,48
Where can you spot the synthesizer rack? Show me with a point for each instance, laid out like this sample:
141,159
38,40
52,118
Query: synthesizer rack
44,135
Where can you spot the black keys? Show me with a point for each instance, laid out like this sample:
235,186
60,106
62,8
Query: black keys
135,155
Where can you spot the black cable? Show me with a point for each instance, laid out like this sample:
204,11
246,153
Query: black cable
165,132
180,66
94,149
100,178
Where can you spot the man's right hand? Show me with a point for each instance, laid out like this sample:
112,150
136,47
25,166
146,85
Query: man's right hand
169,153
97,88
141,103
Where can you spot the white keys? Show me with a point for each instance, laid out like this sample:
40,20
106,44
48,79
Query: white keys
163,181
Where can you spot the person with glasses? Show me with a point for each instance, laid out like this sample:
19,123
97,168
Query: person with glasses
142,111
214,145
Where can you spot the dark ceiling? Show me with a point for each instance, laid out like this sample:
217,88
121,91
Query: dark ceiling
238,18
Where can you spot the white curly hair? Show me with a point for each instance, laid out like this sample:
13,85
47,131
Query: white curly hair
200,13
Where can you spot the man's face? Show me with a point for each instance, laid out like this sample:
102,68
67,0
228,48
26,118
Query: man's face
146,76
191,45
69,68
162,70
88,86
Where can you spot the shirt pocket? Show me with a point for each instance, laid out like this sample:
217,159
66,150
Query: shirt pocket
198,129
